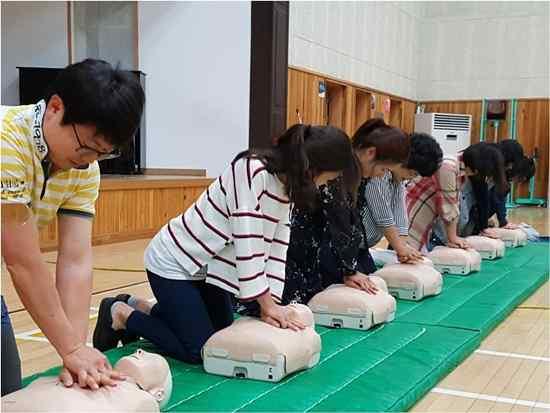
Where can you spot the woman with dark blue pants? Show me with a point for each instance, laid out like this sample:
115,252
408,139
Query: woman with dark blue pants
185,315
231,242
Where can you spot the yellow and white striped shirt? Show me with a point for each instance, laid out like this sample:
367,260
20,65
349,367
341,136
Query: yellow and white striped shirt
24,169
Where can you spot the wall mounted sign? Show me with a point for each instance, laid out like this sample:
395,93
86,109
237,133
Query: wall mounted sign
322,89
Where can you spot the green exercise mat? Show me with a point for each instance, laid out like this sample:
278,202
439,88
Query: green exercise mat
388,368
480,301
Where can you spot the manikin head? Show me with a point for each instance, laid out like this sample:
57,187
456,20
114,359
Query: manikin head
150,372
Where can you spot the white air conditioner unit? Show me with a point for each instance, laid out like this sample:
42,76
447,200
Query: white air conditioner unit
450,130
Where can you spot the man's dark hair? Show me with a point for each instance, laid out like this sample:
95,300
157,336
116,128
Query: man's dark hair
425,154
95,93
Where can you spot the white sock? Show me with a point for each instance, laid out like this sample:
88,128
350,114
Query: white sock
113,310
133,302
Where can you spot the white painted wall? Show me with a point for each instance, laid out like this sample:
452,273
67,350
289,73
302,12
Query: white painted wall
105,30
427,50
369,43
33,34
472,50
197,59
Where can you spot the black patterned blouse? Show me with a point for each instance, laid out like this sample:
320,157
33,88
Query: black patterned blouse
334,231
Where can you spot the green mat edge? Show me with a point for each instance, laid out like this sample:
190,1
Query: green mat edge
528,292
431,380
436,375
492,324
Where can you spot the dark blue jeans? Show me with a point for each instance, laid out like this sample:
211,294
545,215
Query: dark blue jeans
11,364
186,314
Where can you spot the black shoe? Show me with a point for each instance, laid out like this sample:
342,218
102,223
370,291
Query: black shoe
127,337
105,338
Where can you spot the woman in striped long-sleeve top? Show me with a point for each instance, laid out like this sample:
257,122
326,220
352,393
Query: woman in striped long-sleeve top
232,241
327,217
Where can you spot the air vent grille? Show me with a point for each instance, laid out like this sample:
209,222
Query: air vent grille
451,122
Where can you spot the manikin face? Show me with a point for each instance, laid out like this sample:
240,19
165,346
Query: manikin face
150,372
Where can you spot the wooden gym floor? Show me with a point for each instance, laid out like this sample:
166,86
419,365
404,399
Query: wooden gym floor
509,372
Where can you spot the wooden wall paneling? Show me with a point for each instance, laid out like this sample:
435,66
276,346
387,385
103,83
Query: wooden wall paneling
473,108
172,171
295,96
378,111
314,105
135,210
349,110
362,108
407,115
303,96
166,204
336,104
395,113
533,132
379,107
383,100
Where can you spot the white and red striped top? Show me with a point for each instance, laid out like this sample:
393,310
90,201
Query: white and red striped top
237,232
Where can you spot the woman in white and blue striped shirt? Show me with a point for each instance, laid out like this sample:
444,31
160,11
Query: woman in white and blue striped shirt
383,208
382,199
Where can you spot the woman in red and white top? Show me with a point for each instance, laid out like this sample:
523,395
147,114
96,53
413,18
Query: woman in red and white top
232,241
441,207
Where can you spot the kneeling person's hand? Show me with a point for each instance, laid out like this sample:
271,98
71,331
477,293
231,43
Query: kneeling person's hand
361,281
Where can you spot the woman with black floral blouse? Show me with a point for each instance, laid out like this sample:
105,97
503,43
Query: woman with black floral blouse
332,228
328,245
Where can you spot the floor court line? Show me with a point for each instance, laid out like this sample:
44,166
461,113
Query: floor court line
512,355
488,397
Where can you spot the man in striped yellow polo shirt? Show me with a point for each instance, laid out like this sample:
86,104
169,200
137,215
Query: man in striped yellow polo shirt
49,154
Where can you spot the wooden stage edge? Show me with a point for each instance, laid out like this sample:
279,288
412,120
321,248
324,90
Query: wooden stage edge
132,207
124,182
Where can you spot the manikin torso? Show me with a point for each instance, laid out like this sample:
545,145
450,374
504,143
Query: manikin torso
147,387
47,394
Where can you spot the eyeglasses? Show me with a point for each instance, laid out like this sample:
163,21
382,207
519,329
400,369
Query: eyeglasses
101,156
